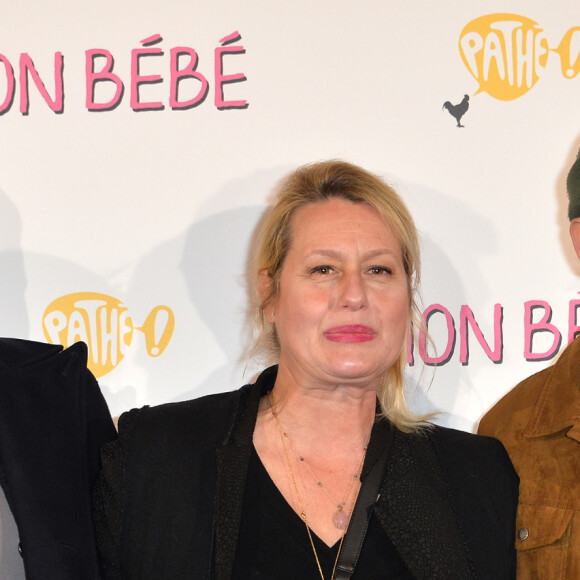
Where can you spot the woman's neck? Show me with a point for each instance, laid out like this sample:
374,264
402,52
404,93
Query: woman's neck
326,417
311,438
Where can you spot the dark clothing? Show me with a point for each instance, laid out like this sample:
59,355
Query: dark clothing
268,520
169,500
53,421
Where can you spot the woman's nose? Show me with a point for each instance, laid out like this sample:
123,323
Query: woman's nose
352,291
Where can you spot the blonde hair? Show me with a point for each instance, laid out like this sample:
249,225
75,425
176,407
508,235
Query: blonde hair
320,182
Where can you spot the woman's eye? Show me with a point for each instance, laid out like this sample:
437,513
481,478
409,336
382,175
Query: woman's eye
380,270
322,270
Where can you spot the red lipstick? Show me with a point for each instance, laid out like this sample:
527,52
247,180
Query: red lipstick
350,333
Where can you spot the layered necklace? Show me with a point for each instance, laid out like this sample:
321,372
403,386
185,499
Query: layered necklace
339,518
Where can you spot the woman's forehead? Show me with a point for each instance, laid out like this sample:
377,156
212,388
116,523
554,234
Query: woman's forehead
336,220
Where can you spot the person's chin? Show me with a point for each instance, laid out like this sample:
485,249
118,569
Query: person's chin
355,371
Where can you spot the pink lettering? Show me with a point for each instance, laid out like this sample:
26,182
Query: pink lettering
104,89
104,75
137,79
573,327
177,75
221,79
544,325
451,334
7,103
466,320
27,66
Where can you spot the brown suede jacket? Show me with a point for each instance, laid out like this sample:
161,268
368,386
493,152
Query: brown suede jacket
539,424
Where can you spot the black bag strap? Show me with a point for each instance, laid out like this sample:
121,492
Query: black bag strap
379,448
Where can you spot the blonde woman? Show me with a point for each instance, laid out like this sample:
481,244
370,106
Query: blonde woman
262,482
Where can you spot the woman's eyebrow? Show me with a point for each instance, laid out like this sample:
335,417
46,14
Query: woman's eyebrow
329,253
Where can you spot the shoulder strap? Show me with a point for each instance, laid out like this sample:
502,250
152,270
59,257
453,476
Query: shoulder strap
379,448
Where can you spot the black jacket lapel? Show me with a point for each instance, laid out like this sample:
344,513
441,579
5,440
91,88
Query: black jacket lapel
415,510
233,459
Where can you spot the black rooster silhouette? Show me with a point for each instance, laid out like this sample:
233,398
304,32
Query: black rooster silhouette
457,111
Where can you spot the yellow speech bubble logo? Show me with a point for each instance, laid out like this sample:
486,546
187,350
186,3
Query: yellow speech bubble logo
103,323
158,329
505,53
569,52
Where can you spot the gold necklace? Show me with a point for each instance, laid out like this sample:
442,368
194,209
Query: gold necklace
340,518
303,513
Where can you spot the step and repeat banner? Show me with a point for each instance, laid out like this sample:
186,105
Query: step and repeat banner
141,142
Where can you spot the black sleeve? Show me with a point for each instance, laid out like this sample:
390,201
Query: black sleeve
100,428
109,498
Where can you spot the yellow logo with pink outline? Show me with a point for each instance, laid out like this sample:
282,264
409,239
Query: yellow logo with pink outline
104,324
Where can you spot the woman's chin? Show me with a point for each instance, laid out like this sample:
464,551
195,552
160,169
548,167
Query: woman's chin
357,373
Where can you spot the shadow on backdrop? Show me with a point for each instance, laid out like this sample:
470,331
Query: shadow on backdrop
442,222
13,312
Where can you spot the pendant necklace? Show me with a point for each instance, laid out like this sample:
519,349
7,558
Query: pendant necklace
339,517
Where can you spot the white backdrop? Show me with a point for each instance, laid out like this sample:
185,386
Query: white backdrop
151,205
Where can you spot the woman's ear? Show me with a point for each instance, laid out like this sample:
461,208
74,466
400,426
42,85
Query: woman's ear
575,234
265,291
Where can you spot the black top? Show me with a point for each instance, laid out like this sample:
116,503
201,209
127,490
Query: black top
170,497
268,520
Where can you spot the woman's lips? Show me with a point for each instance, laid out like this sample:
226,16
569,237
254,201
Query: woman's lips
350,333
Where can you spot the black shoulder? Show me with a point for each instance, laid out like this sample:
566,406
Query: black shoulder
469,452
453,437
16,353
200,422
484,493
480,476
462,456
27,356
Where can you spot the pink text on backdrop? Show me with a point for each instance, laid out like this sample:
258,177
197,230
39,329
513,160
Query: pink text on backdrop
183,77
26,70
537,320
545,325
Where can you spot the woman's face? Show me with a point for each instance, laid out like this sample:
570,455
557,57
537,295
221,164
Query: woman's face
342,309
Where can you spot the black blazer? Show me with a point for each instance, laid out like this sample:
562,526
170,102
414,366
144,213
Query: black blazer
53,421
169,498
